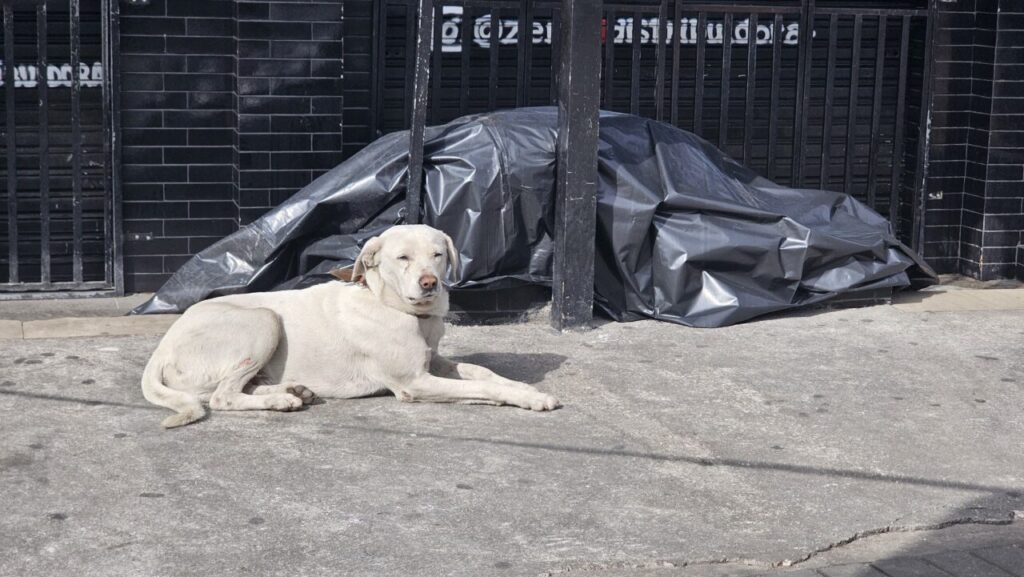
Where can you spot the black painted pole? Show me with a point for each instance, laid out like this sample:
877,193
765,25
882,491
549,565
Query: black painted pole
420,95
579,90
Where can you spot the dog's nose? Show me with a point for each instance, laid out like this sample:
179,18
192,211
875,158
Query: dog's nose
428,282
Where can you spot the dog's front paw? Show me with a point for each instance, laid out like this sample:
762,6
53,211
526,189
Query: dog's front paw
543,402
307,396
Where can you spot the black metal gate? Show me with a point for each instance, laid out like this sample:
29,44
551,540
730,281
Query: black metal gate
59,201
841,104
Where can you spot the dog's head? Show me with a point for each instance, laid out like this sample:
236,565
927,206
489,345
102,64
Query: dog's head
409,261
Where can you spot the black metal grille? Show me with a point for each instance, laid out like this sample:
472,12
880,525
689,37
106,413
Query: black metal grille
836,105
59,211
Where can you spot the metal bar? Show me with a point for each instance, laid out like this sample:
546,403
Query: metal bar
434,107
44,146
466,37
112,87
748,112
759,8
830,78
492,74
924,132
677,39
773,122
376,61
424,46
649,8
108,235
698,87
876,110
410,56
659,57
723,116
634,76
76,140
493,3
607,94
901,103
556,46
572,298
845,11
12,163
803,97
528,65
525,45
851,114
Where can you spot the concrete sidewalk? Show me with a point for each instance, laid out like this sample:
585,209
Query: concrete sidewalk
63,318
841,442
40,319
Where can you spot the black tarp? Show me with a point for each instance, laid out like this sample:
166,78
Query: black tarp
684,233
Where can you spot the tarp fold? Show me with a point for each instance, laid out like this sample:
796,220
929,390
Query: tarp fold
684,233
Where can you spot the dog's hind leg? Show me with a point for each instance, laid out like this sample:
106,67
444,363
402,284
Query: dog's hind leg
229,397
255,388
226,361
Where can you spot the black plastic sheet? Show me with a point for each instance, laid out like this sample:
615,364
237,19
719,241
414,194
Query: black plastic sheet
685,234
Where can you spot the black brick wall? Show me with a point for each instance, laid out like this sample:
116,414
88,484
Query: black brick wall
358,32
975,228
289,99
952,116
1002,229
230,106
178,133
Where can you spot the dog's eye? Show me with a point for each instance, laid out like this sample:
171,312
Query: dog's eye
402,257
437,255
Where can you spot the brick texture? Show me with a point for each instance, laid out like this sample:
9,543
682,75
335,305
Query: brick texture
289,99
228,107
178,147
983,210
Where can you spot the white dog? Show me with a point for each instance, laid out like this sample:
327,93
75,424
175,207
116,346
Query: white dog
279,350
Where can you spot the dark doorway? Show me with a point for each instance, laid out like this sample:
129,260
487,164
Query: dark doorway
59,201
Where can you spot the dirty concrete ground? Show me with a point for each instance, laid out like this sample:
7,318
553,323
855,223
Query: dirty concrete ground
770,447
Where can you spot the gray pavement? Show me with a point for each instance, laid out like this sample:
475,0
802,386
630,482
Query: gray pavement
44,309
841,442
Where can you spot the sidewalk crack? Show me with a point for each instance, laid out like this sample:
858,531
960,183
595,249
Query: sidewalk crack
769,565
968,520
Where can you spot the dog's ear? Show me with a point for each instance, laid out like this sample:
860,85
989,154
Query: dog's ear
368,258
454,259
344,274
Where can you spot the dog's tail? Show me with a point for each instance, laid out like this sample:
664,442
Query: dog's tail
187,405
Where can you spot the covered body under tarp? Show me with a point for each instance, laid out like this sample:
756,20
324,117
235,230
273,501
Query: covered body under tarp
684,233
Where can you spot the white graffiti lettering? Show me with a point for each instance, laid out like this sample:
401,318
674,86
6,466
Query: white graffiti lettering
57,75
620,31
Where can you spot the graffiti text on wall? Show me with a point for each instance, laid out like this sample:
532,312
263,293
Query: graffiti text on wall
57,75
620,31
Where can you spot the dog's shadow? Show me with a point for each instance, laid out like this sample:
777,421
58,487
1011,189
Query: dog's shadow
530,368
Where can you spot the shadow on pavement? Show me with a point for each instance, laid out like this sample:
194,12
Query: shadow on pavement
79,400
708,462
526,368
